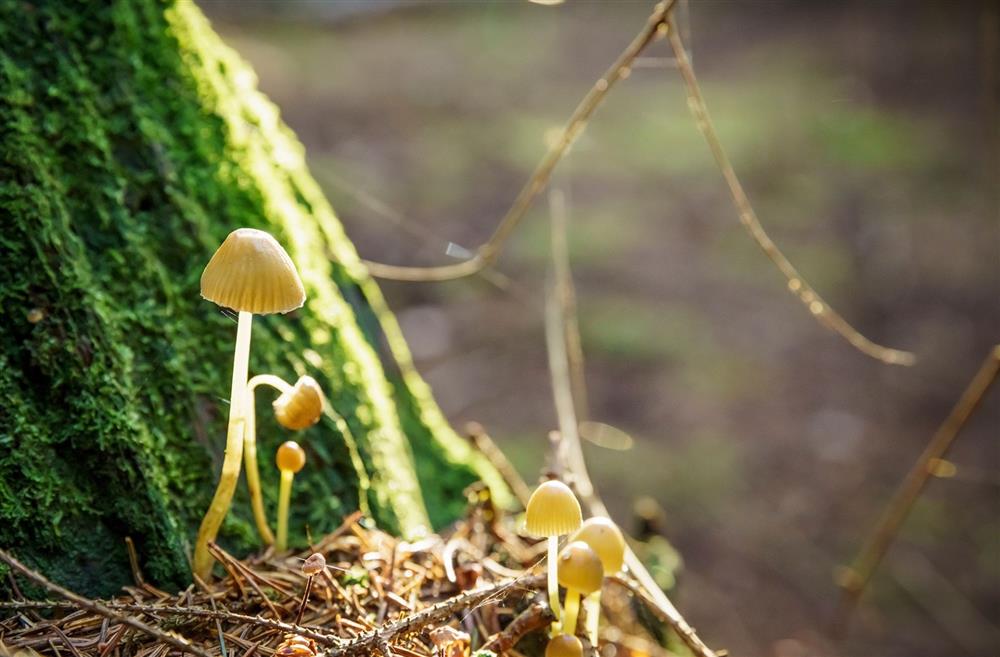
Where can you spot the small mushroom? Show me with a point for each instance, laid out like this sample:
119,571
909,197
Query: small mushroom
301,406
314,565
251,274
553,511
290,459
298,407
581,572
564,645
604,538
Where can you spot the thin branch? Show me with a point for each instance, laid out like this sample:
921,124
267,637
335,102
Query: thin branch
796,284
172,639
580,478
373,640
566,295
421,231
856,578
482,441
487,254
533,618
674,620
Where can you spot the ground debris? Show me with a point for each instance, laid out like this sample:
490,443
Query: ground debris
446,595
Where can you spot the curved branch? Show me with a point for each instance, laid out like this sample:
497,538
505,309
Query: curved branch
819,308
487,254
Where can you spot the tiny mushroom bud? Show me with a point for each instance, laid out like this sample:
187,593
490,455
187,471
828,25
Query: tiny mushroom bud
301,406
251,274
311,567
314,565
604,538
449,642
552,511
564,645
581,572
290,459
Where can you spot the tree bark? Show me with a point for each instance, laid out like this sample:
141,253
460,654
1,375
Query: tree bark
133,141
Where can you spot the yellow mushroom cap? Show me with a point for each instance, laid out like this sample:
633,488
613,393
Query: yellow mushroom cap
251,273
300,407
290,457
552,510
564,645
604,538
580,568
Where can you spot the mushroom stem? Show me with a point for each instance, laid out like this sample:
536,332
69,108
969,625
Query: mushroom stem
284,497
571,612
219,507
592,605
553,568
250,452
305,601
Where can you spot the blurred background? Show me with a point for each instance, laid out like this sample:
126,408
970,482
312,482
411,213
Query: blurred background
866,135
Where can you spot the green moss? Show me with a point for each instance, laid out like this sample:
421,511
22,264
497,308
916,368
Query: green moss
132,142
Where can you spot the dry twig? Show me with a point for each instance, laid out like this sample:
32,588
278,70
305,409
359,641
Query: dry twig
487,254
442,610
854,579
535,617
819,308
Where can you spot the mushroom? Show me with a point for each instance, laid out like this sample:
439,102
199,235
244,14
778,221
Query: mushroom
604,538
314,565
251,274
290,459
552,511
564,645
581,572
298,407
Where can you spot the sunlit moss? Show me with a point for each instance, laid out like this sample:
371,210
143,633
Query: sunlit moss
129,152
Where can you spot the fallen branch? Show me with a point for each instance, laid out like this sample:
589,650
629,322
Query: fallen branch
533,618
377,638
172,639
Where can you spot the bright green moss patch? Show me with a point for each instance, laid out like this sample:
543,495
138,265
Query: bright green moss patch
132,143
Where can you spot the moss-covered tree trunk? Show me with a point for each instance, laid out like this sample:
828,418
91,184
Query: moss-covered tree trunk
133,141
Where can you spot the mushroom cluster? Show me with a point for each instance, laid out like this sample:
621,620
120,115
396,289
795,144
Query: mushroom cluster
252,274
596,548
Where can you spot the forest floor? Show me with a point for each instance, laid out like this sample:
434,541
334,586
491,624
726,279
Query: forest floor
474,589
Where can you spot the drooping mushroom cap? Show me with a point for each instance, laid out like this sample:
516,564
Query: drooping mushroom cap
580,568
604,538
552,510
564,645
300,407
251,273
290,457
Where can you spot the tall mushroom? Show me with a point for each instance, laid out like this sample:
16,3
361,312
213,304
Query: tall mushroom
251,274
553,511
605,539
